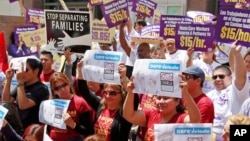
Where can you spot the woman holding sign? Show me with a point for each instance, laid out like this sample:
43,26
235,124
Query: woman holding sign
169,110
109,122
79,116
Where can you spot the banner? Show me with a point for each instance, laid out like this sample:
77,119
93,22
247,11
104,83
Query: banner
183,132
33,38
234,2
115,12
101,33
3,55
35,16
168,24
196,36
200,17
144,7
233,24
67,29
102,66
157,77
149,40
21,29
51,112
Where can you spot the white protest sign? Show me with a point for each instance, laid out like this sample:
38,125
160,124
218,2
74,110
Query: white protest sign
18,61
51,112
157,76
102,66
3,112
183,132
46,137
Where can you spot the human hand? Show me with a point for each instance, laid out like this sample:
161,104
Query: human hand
9,72
130,85
67,54
79,65
65,41
235,48
68,120
190,52
183,84
20,75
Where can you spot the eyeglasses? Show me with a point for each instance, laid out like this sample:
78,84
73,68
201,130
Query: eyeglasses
61,86
111,93
221,76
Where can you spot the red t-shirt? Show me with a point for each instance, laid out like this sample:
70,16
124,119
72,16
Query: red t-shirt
155,117
46,77
104,122
77,106
206,108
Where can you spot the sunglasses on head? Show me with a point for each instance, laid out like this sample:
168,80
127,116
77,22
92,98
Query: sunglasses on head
221,76
110,93
61,86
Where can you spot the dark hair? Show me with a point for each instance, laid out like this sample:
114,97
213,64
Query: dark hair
225,68
44,52
59,76
12,116
12,38
246,54
35,64
35,130
141,22
180,108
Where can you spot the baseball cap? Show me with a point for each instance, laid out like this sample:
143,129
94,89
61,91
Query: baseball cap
195,70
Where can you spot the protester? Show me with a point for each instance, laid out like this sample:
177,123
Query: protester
28,93
109,122
169,110
79,116
230,90
46,58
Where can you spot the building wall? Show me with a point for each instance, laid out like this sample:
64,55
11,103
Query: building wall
7,25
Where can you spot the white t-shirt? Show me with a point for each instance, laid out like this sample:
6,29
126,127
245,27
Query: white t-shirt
179,55
227,102
208,71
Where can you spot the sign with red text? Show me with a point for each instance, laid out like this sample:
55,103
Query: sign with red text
34,38
115,12
144,7
101,32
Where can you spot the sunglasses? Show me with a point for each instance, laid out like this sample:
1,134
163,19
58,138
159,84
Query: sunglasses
221,76
61,86
110,93
189,76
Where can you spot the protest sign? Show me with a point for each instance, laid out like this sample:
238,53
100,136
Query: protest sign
183,132
3,112
200,17
19,63
33,38
102,66
21,29
157,76
149,40
233,24
115,12
51,112
168,24
11,1
196,36
156,17
67,29
151,30
234,3
144,7
101,33
35,16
